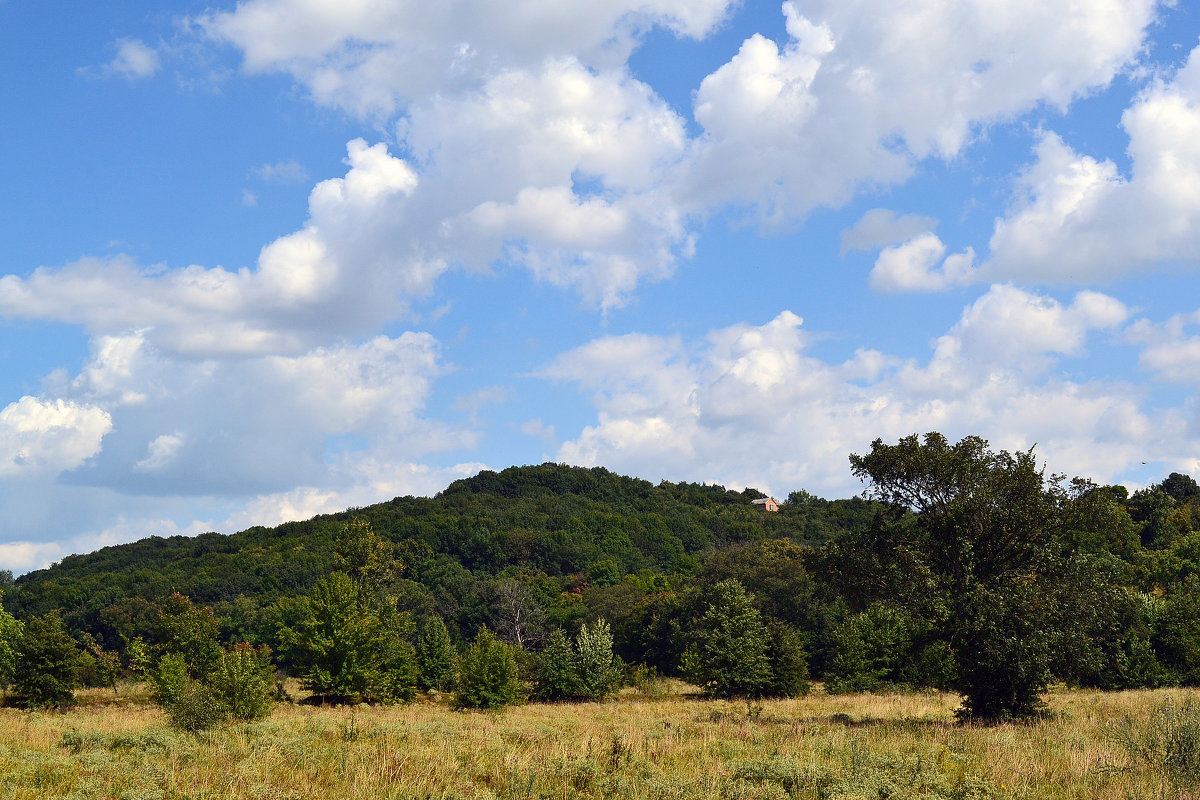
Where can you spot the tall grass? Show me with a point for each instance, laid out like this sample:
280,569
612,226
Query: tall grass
636,746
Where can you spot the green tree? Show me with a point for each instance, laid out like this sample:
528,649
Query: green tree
487,674
11,632
556,675
597,668
972,544
243,681
436,656
336,647
728,654
789,664
189,631
47,664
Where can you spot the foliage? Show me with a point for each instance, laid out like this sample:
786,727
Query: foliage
105,663
243,681
972,544
789,665
190,632
194,707
11,632
556,676
487,674
598,671
435,656
346,651
168,679
728,654
47,663
1168,743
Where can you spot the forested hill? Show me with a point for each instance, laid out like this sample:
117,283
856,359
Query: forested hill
556,528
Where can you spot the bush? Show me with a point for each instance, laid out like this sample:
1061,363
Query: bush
556,678
195,707
789,666
487,674
435,657
47,663
870,649
1168,743
243,682
599,673
728,654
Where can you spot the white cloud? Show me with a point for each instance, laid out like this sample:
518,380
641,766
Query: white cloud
49,436
1170,350
1079,219
160,452
862,90
373,58
134,59
21,557
751,406
912,266
881,227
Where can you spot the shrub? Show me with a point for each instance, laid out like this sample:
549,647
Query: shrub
556,677
1168,743
728,654
47,663
243,682
598,671
435,657
194,707
487,674
168,678
869,650
789,666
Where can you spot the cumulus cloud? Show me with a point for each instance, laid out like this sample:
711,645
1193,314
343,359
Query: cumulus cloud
913,266
1171,350
49,436
373,58
862,90
345,273
1079,219
750,405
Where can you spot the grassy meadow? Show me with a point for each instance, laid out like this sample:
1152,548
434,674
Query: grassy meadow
669,745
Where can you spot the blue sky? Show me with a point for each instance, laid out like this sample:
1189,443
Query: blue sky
277,258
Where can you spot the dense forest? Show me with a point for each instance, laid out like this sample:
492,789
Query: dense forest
959,568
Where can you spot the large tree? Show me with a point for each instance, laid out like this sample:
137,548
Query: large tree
972,542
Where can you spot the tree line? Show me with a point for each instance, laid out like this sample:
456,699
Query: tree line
961,568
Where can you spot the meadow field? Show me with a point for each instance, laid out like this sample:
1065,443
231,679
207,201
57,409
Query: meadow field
670,745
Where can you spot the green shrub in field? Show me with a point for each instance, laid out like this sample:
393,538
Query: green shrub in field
1168,743
728,653
870,649
587,671
789,665
556,677
598,671
195,707
348,648
243,682
487,674
11,631
436,656
46,668
168,678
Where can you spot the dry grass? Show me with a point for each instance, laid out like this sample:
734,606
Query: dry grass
670,747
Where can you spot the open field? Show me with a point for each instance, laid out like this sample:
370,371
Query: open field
673,746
